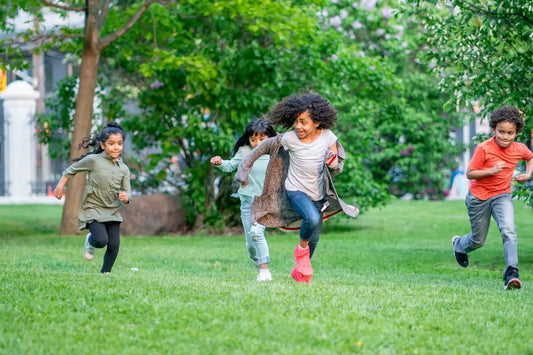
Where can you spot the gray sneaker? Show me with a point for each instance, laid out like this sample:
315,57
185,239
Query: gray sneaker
88,249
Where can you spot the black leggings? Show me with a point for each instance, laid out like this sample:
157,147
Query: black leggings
102,234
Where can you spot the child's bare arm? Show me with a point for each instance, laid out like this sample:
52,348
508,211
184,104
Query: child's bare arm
58,191
478,174
527,175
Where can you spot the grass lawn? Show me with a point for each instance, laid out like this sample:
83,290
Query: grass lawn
384,283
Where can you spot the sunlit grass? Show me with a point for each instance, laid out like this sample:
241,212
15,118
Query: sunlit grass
384,283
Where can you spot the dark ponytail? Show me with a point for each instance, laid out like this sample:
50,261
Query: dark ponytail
94,141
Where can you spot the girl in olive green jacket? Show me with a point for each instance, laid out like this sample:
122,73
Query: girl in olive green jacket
108,187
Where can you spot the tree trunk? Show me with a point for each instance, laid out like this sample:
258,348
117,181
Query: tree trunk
82,129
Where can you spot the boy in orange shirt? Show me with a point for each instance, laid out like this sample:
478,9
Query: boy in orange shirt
491,172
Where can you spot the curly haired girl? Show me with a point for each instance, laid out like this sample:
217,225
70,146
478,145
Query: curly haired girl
299,171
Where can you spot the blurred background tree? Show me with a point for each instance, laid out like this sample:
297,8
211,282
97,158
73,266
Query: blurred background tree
185,80
482,53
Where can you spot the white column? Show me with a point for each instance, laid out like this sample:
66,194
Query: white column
19,112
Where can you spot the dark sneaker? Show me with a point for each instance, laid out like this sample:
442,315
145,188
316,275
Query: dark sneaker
510,279
461,258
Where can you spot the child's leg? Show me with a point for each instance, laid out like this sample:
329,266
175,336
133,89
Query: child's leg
312,220
257,232
113,231
309,230
246,218
313,241
503,213
479,212
99,237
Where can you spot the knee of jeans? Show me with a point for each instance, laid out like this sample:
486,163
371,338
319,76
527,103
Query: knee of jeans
256,230
508,232
313,220
477,244
258,237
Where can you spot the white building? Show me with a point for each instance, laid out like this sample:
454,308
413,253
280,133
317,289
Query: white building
26,170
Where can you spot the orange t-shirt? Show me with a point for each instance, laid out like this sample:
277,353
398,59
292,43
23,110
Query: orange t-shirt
486,155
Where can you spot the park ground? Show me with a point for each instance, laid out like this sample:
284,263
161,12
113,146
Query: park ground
385,283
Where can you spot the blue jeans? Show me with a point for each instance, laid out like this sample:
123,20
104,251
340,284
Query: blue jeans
501,208
254,233
311,215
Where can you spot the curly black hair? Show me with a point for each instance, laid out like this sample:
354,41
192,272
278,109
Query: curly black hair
258,125
285,112
509,114
111,128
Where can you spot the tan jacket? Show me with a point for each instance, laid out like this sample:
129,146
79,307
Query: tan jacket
271,208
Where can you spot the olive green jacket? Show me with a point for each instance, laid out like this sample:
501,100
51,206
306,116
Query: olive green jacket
105,179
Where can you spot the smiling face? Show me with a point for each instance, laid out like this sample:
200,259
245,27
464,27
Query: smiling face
505,133
305,127
257,138
113,145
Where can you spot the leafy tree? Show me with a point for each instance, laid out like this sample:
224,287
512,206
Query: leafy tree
234,59
238,61
482,53
402,134
90,42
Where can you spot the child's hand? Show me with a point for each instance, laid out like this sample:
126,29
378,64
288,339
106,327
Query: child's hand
331,159
122,196
216,160
58,192
522,177
498,167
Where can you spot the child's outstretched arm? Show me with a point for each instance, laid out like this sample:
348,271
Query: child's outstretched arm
81,165
58,191
527,175
228,166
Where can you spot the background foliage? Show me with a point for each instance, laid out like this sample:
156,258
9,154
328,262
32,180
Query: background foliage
481,51
195,74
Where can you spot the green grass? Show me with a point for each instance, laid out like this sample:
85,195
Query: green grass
384,283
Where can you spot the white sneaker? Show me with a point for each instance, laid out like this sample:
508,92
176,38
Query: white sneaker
264,276
88,249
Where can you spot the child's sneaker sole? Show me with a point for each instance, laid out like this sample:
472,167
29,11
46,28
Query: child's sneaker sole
299,277
513,284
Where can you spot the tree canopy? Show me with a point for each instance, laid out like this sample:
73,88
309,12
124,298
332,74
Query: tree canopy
197,72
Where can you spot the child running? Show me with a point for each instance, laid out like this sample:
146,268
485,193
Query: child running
298,185
491,171
254,233
108,187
